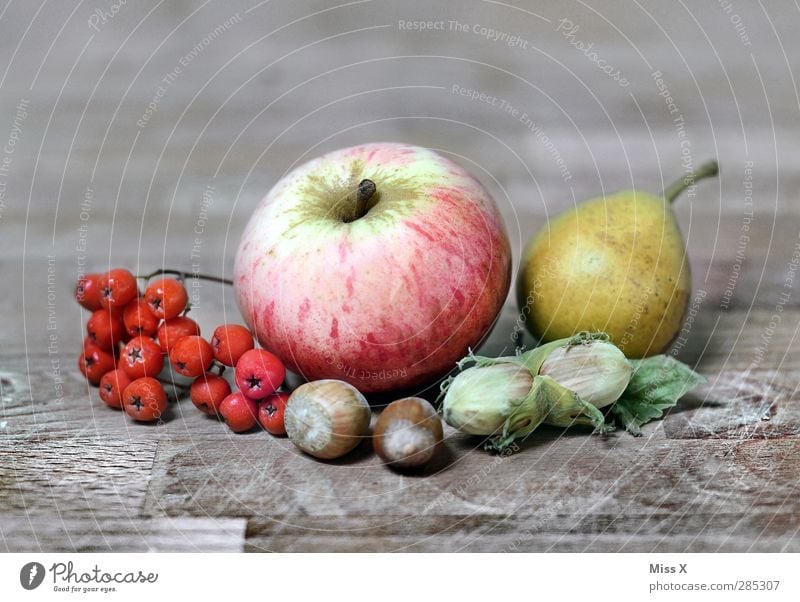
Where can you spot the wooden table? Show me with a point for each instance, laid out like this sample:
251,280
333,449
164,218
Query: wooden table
118,125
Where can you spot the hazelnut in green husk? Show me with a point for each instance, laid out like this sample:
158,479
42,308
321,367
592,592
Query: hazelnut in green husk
562,383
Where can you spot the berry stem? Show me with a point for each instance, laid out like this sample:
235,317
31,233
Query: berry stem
172,383
166,272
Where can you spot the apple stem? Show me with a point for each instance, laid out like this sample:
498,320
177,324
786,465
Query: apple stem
706,170
366,188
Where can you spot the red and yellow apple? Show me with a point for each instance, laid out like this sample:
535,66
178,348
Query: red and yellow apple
379,265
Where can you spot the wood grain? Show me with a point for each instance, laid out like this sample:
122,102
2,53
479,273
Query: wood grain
509,535
65,534
74,475
557,479
761,405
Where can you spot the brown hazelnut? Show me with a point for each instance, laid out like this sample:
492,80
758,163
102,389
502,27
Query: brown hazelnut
408,433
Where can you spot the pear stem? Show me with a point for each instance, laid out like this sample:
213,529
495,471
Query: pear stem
366,188
706,170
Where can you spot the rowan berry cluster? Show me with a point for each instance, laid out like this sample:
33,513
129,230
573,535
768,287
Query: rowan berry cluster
130,335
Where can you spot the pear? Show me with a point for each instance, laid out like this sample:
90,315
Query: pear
615,264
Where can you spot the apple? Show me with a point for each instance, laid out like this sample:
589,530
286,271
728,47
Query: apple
380,265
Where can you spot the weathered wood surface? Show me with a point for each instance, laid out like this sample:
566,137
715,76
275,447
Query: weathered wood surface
88,534
289,80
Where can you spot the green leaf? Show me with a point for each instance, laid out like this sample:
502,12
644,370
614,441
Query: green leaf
656,385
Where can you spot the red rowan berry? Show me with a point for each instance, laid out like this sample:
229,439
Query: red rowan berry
144,399
166,297
191,356
117,289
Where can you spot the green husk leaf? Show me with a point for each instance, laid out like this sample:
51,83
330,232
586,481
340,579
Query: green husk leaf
576,411
529,414
550,403
656,385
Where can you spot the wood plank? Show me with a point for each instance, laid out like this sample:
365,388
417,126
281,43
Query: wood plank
37,404
510,534
58,533
525,184
740,406
726,276
732,490
74,475
201,469
34,405
567,483
715,340
742,340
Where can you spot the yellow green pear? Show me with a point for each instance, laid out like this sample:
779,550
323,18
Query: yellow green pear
615,264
